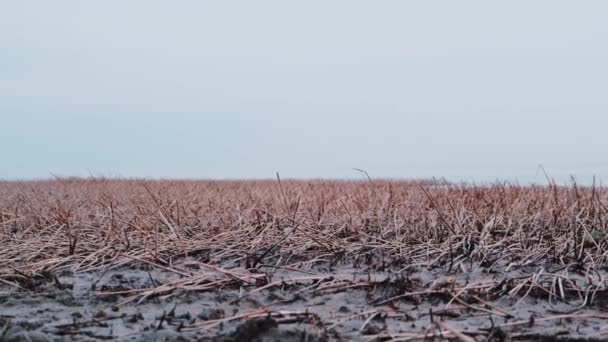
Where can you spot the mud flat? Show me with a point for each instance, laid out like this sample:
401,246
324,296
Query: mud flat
191,300
99,259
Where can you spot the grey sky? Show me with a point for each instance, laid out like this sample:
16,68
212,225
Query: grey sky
471,90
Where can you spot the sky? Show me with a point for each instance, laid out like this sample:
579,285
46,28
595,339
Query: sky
467,90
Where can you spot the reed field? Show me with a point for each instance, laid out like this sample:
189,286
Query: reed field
294,260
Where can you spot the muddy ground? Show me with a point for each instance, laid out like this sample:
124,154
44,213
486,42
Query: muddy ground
302,303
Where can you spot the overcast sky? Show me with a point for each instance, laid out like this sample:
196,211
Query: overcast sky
470,90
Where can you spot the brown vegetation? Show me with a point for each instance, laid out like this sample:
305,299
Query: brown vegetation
556,233
88,223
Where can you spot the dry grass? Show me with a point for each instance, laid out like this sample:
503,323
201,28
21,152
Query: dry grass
98,224
88,223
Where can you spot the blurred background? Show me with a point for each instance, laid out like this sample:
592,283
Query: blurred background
468,90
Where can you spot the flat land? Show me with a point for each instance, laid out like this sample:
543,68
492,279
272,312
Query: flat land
99,259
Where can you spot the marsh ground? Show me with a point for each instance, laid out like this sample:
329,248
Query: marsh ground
301,261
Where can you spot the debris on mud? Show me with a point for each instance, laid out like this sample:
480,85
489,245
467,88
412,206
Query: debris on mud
301,261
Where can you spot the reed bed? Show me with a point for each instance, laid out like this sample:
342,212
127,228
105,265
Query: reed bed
85,224
237,232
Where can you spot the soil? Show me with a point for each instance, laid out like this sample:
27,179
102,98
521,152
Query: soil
316,303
